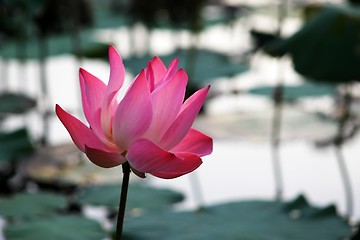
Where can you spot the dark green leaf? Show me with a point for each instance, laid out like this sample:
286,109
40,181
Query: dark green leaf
262,38
139,196
14,144
57,45
326,47
245,220
15,103
30,205
207,65
56,227
293,93
96,51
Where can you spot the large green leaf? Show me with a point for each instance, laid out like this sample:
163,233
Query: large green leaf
105,17
326,47
293,93
245,220
57,45
30,205
56,228
15,103
208,65
14,144
139,196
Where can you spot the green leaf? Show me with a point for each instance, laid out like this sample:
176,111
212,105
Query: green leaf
293,93
139,196
326,47
208,65
14,144
15,103
58,44
245,220
31,205
56,227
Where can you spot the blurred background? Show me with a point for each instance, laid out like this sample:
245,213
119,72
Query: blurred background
283,111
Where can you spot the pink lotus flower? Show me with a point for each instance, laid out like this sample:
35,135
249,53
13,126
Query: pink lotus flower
150,127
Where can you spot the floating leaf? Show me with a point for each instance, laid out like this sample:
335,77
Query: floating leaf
30,205
293,93
260,220
139,196
15,103
62,165
325,48
58,45
96,51
209,65
262,38
14,144
56,227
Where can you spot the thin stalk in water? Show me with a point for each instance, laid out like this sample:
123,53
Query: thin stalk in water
275,141
277,113
197,191
43,53
339,142
346,181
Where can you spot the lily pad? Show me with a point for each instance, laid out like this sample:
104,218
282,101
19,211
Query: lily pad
325,48
63,164
14,144
208,65
293,93
139,196
15,103
58,45
56,227
261,38
30,205
260,220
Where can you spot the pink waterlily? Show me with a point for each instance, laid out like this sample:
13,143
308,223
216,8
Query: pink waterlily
151,127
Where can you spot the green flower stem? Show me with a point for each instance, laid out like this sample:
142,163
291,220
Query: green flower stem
122,203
